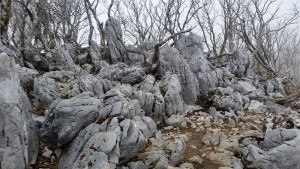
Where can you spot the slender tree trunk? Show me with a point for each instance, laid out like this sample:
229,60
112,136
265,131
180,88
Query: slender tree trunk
6,7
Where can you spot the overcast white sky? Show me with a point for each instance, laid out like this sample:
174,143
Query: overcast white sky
285,8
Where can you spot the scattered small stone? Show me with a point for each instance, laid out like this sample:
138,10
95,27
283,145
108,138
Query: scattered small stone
47,153
213,112
194,147
196,159
231,123
207,123
193,126
199,129
168,128
186,166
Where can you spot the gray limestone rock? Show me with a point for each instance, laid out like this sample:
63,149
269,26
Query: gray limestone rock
232,102
62,76
27,76
246,86
38,61
280,150
146,125
13,52
177,148
91,147
114,142
137,165
134,58
152,104
240,64
115,104
123,73
62,59
97,150
45,92
95,55
176,121
171,90
98,86
257,107
191,48
114,38
67,117
149,85
171,61
18,139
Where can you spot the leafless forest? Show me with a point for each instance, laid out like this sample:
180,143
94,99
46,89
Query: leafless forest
259,27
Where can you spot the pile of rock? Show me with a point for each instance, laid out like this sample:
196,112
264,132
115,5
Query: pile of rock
103,112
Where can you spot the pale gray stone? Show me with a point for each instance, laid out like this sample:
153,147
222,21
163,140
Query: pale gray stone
45,92
27,76
171,61
123,73
280,151
67,117
176,121
62,59
176,148
18,139
191,48
171,90
38,61
114,38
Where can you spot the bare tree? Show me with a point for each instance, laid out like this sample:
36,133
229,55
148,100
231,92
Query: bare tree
6,7
42,23
257,23
149,20
93,8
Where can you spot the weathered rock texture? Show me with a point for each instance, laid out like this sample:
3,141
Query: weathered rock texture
18,139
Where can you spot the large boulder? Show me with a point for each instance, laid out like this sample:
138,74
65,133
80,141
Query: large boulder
191,49
152,104
62,59
171,61
67,117
38,61
45,91
18,139
149,85
171,90
114,142
240,64
27,76
95,54
280,150
123,73
13,52
98,86
91,147
114,38
117,104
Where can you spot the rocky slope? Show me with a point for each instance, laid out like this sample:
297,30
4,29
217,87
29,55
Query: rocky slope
98,107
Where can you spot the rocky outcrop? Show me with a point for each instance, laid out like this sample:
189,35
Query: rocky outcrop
171,61
122,73
114,37
45,92
113,142
191,48
280,150
62,59
18,140
67,117
99,107
38,61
